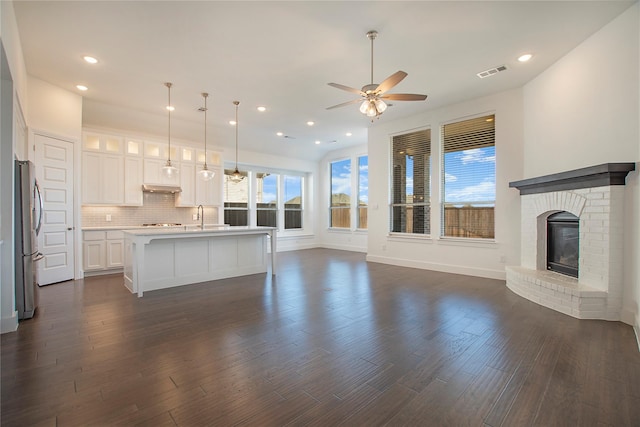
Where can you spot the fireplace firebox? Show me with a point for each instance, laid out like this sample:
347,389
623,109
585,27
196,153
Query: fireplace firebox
563,243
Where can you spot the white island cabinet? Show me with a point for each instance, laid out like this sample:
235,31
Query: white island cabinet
164,258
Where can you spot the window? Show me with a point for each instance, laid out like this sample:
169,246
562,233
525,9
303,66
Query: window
267,199
363,190
469,178
293,202
236,199
340,216
410,205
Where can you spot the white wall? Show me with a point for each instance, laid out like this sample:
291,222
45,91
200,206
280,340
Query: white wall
54,110
346,239
451,255
585,110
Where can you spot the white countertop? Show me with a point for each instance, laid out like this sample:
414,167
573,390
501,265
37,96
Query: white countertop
195,230
137,227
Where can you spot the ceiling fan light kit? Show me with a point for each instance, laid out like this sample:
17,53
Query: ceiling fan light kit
373,95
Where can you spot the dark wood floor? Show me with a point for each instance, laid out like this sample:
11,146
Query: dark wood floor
332,340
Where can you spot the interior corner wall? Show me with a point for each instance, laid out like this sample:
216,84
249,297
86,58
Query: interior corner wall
482,259
584,110
54,110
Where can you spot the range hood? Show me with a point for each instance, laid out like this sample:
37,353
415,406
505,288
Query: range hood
155,188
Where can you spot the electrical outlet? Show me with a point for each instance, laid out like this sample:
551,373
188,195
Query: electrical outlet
503,259
194,217
108,217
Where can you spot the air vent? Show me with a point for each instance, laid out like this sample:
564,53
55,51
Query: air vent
491,71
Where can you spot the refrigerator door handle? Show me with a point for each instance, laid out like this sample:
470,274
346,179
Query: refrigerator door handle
37,188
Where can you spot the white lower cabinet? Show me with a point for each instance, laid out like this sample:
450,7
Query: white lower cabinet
102,250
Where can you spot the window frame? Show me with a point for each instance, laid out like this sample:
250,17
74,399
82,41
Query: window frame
348,207
359,185
442,181
427,203
283,178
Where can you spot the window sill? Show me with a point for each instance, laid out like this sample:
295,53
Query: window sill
461,241
406,237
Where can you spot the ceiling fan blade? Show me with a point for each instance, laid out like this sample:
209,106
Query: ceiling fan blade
404,97
391,81
355,101
347,88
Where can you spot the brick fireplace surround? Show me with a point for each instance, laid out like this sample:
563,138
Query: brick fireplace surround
596,196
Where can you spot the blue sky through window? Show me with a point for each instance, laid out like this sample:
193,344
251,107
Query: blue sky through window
292,188
470,175
341,177
363,184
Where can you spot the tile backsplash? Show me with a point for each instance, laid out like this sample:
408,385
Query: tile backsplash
157,208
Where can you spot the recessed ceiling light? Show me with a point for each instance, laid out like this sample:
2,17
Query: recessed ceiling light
525,57
170,107
262,109
317,142
310,123
82,87
348,134
232,122
90,59
279,133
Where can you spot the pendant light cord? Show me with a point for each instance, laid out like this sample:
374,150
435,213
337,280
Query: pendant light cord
236,103
205,95
168,85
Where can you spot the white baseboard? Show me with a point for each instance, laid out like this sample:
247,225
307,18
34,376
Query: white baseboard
350,248
445,268
9,324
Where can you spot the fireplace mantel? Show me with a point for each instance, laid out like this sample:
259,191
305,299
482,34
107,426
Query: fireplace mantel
592,176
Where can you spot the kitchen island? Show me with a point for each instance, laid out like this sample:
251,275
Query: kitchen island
167,257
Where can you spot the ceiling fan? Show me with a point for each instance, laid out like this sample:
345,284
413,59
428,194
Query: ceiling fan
372,95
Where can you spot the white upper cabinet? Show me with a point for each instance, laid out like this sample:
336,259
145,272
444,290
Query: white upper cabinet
187,197
133,180
102,170
114,169
209,193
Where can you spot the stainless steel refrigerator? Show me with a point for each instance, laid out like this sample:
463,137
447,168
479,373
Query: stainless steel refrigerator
28,220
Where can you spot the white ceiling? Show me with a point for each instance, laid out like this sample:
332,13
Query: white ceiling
283,54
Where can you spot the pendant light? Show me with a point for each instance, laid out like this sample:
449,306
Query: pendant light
205,173
236,176
168,169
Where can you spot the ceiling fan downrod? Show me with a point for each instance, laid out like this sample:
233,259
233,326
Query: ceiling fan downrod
371,35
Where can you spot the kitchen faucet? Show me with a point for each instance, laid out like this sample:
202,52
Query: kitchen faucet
201,217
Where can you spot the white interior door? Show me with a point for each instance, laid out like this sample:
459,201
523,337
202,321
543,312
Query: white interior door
54,171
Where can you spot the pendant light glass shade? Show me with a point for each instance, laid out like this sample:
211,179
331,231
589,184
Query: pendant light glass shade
168,170
205,174
236,176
